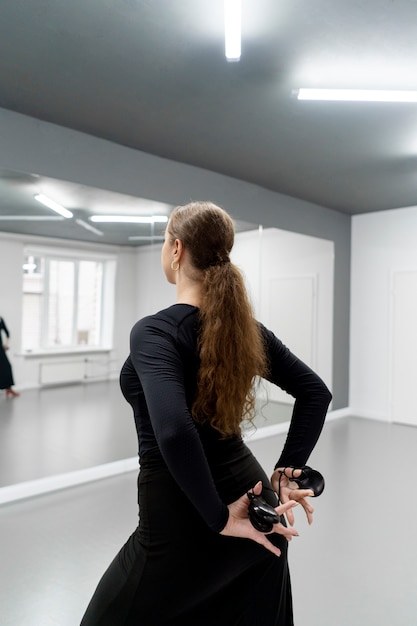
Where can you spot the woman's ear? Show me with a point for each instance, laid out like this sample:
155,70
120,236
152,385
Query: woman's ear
178,249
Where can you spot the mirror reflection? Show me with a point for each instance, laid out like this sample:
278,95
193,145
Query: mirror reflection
74,295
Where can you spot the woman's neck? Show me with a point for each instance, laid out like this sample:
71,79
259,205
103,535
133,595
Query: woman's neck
189,293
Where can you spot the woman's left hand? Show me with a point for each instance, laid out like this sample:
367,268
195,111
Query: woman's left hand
288,491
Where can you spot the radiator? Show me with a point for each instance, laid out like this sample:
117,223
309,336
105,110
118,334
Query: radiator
61,373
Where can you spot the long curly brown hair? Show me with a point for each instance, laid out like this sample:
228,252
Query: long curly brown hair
230,344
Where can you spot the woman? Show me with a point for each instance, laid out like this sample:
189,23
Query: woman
6,374
195,558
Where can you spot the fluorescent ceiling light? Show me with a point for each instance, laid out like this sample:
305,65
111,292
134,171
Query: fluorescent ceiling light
232,29
32,218
150,238
130,219
89,227
51,204
357,95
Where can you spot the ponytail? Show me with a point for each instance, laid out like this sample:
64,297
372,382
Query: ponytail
230,344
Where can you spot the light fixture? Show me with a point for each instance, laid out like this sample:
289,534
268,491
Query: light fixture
145,238
232,29
130,219
357,95
31,218
89,227
51,204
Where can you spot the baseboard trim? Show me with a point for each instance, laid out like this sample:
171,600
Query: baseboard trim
278,429
49,484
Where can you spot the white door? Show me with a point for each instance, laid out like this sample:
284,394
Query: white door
292,317
404,348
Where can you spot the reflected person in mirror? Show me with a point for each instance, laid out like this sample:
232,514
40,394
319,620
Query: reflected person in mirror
6,373
195,558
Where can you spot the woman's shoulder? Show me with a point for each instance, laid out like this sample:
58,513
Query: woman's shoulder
173,316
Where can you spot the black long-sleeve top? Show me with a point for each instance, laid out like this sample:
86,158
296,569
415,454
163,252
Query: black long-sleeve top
159,380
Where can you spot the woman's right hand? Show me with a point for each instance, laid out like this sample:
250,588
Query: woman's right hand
288,491
239,525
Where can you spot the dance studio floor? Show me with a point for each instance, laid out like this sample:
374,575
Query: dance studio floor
354,567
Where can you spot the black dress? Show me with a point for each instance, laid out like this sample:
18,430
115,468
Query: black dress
6,375
176,569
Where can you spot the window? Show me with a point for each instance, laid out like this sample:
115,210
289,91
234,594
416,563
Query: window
63,301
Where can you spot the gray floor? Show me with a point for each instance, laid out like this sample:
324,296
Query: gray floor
356,566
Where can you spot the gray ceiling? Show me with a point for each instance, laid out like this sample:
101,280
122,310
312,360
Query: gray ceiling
152,75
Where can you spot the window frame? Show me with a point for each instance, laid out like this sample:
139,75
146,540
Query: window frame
106,314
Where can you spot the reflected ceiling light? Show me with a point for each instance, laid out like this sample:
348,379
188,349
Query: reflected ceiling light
32,218
130,219
89,227
150,238
29,267
232,29
51,204
357,95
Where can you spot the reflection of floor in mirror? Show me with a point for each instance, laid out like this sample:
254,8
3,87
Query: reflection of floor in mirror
61,429
268,413
355,566
55,430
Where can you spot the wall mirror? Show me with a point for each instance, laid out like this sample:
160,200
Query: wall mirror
70,415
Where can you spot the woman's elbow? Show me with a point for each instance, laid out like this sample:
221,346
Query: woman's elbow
326,395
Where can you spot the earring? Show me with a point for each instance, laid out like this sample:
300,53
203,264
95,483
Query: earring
175,266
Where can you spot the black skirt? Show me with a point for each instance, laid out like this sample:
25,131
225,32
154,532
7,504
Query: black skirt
175,571
6,375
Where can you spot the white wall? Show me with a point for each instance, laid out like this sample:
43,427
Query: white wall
290,280
154,293
126,313
383,243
